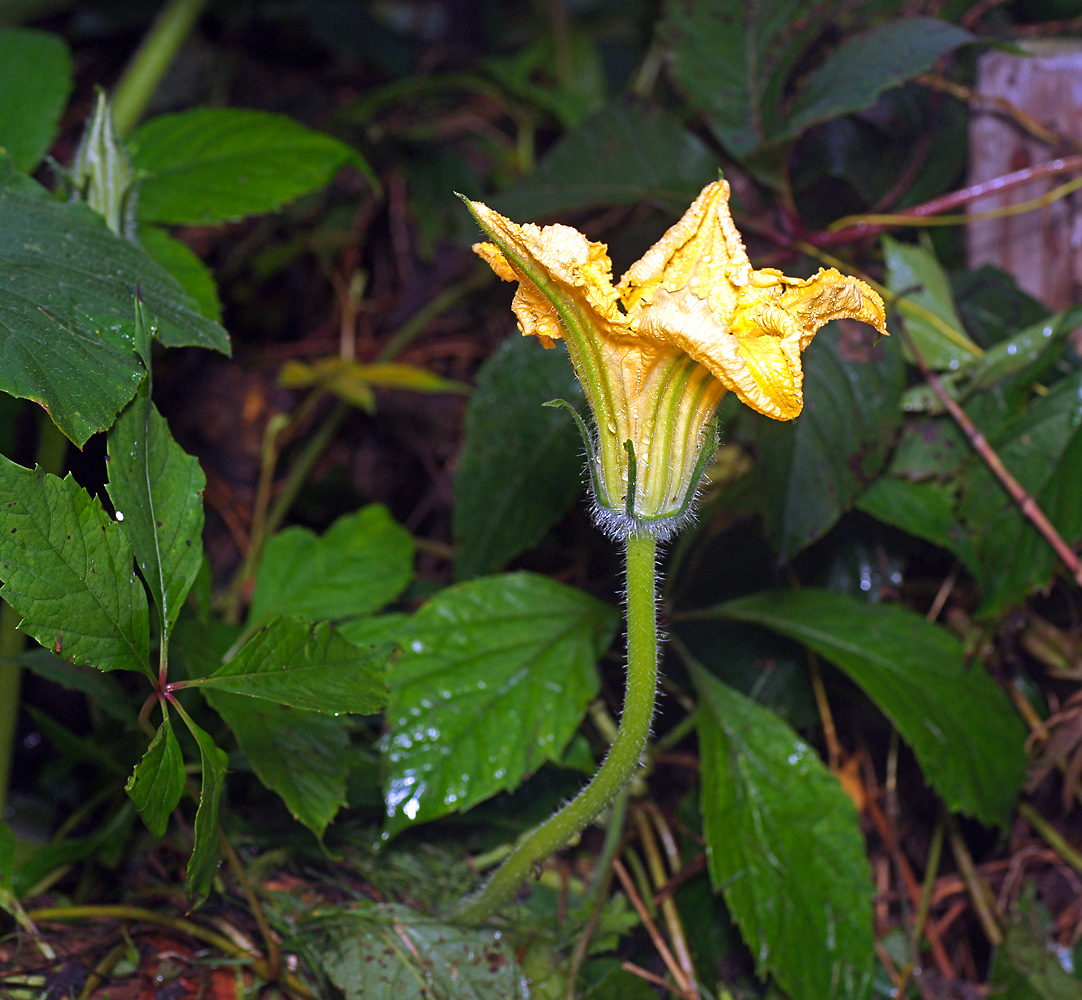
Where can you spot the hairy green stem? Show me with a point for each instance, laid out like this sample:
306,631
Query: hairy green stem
149,64
623,756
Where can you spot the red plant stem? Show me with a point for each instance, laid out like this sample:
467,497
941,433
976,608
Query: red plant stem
1028,506
944,203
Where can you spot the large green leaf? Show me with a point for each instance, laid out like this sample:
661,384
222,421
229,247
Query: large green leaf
865,65
34,87
733,57
927,306
303,757
203,864
520,467
359,564
216,164
393,953
967,737
925,510
304,664
783,843
622,155
68,570
1042,449
66,290
182,263
157,783
813,468
158,488
494,677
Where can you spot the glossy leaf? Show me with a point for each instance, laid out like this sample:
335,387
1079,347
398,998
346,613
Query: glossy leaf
784,845
622,155
394,953
865,65
360,563
520,467
814,468
157,783
34,88
216,164
66,290
494,678
733,58
1042,449
304,664
914,274
921,509
967,737
203,864
158,488
68,569
303,757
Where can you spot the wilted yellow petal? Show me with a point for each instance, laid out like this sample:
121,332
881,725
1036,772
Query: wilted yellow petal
756,360
703,252
832,295
539,257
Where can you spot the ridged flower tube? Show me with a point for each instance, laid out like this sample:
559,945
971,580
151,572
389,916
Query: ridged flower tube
655,353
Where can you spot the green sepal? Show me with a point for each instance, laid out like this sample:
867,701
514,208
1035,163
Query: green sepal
587,443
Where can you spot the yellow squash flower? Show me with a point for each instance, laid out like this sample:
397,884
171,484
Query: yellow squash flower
656,352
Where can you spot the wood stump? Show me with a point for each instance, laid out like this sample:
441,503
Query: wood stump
1041,249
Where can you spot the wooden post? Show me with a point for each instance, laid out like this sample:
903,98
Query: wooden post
1041,249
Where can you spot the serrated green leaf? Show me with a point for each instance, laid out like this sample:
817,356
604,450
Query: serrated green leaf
1042,449
34,88
494,678
394,953
926,305
203,864
520,467
622,155
182,263
157,782
158,488
360,563
967,737
921,509
375,630
813,468
66,295
783,843
303,757
217,164
68,570
865,65
733,58
305,664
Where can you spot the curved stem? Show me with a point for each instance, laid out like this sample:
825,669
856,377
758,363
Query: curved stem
623,756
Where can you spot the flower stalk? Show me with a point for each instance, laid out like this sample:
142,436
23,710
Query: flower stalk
623,757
